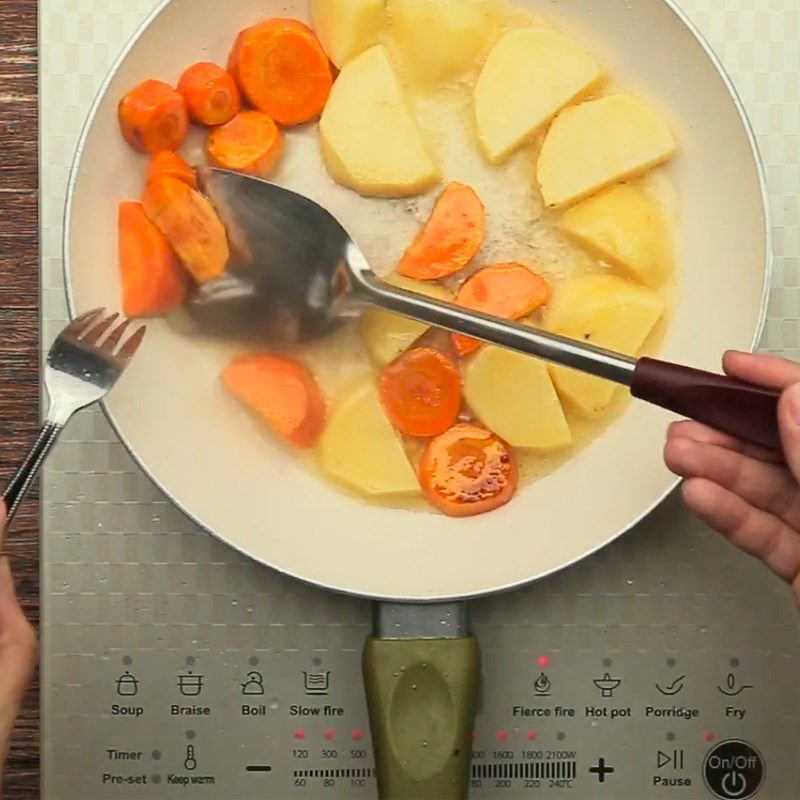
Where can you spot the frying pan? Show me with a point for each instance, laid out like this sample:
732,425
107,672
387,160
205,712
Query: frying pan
421,668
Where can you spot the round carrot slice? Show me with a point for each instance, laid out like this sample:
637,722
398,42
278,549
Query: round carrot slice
451,237
468,471
282,392
282,70
510,291
153,117
251,142
421,392
174,165
211,94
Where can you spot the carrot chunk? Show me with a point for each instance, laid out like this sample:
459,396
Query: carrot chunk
468,471
191,225
451,237
174,165
282,70
510,291
421,392
251,142
153,117
153,280
211,94
282,392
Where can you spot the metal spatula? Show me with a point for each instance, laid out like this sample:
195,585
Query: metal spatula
296,274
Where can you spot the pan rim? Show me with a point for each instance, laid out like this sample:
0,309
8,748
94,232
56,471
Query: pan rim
747,126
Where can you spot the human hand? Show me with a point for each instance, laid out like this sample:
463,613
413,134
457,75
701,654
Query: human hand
18,652
748,494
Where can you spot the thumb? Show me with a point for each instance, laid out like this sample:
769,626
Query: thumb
789,423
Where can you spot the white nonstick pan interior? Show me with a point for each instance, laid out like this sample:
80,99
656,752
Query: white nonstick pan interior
198,446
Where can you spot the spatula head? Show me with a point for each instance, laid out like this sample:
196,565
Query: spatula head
287,275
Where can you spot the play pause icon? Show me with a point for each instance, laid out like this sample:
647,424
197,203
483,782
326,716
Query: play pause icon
673,760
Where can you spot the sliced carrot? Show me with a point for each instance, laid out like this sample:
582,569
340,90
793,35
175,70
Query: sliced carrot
468,471
153,280
153,117
191,225
251,142
282,70
211,94
451,237
510,291
174,165
282,392
421,392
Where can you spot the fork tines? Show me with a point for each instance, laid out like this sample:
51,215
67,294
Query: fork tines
92,328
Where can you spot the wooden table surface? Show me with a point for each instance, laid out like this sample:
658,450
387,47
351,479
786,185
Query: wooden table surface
19,333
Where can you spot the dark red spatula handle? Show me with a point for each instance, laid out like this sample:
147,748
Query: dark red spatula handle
740,409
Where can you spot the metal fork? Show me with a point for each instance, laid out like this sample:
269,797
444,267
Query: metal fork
83,365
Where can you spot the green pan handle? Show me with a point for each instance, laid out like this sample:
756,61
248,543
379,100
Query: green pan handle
421,695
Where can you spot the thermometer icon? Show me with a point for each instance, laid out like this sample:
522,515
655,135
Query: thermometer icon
191,762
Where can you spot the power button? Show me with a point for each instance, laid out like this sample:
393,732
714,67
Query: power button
733,770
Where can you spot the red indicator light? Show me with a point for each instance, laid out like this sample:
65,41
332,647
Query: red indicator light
532,736
474,736
709,736
357,735
502,736
328,734
299,734
544,661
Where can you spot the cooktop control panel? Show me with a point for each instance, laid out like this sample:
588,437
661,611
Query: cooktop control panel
285,724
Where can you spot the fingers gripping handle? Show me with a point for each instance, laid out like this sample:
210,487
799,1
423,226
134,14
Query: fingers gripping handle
740,409
421,695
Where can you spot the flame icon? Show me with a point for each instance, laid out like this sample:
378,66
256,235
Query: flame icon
542,686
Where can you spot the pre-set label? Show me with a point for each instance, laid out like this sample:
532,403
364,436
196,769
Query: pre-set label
109,779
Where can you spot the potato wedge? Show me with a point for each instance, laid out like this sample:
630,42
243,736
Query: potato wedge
607,311
370,141
438,40
529,76
513,395
598,143
347,28
360,449
387,335
624,227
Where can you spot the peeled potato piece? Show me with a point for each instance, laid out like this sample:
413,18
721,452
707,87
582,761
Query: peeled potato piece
387,335
595,144
513,395
370,141
347,27
624,227
529,76
438,40
360,449
603,310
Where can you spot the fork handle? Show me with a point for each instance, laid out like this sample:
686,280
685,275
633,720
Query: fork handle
24,477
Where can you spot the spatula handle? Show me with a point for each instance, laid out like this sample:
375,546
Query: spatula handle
740,409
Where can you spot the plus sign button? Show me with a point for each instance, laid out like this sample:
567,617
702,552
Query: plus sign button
733,770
